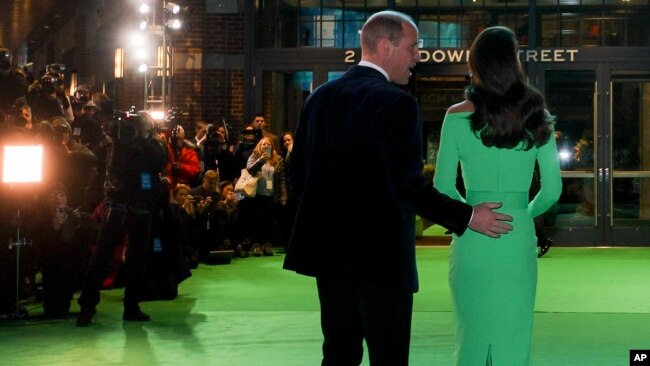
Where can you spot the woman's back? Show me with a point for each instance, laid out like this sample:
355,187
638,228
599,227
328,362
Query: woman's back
499,274
485,168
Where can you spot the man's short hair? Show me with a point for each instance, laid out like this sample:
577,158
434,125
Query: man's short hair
210,174
384,24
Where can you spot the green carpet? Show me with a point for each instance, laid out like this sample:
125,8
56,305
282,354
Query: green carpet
593,305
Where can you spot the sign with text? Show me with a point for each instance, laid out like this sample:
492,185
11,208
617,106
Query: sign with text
461,56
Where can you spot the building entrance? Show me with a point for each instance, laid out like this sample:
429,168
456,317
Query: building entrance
603,138
603,119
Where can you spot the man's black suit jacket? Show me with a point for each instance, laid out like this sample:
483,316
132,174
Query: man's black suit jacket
357,161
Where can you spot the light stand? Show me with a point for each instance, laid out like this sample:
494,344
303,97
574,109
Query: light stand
21,166
17,244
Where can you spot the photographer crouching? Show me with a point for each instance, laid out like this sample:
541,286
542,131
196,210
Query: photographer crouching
133,185
63,243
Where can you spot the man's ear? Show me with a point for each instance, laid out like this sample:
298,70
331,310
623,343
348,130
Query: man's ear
386,47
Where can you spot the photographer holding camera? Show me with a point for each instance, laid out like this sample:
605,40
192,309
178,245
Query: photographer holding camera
80,98
133,188
76,164
183,166
13,81
206,197
217,152
59,86
42,97
63,242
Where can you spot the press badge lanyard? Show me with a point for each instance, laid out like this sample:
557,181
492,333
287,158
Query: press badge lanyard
145,181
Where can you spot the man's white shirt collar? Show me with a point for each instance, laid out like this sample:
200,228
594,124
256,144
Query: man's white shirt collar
376,67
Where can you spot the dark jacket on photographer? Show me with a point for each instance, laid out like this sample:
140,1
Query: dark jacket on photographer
133,187
63,238
208,232
41,97
135,162
13,85
87,130
216,154
244,150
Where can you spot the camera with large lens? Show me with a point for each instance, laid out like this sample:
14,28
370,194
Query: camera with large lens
123,127
49,82
55,68
64,212
211,134
175,116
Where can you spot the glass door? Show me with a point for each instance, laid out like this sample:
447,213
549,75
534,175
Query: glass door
573,97
603,137
283,91
626,172
282,95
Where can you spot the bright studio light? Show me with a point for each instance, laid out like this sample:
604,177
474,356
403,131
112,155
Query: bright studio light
22,164
157,115
175,23
141,54
144,8
173,8
137,39
143,25
564,154
143,68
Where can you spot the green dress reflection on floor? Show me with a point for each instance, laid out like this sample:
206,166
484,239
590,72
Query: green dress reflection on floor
493,281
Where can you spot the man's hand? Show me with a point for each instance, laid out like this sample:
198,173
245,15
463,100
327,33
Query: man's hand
488,222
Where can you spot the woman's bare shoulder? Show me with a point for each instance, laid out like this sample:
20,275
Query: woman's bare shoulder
462,107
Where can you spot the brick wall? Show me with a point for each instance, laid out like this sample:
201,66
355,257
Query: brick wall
207,80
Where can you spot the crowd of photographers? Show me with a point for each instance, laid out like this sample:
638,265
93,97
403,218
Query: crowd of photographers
125,201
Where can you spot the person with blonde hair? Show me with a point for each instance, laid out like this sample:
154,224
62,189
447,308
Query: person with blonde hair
266,163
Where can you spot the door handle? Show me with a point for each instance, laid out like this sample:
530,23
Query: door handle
600,175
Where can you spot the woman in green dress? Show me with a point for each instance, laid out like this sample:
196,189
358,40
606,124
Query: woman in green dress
497,134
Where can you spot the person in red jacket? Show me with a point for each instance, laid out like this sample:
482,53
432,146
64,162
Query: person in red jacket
184,166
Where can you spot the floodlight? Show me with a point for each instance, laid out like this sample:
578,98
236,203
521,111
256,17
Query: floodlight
144,8
141,54
137,39
175,23
143,25
157,115
143,68
173,8
22,164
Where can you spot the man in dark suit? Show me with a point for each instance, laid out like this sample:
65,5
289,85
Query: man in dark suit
357,161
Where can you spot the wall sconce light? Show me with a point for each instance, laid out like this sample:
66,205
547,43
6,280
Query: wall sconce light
119,63
163,58
73,83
